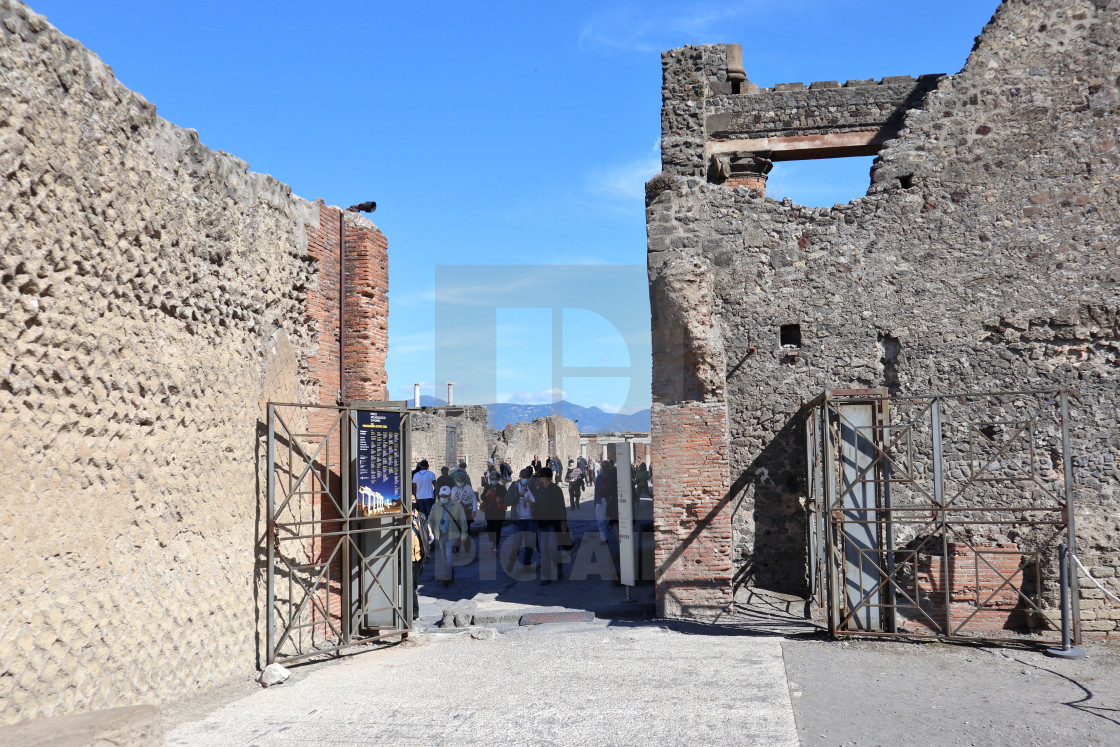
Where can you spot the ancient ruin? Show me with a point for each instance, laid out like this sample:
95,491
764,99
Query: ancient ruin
983,257
155,295
467,426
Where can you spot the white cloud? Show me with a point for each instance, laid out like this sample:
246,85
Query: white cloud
635,27
626,181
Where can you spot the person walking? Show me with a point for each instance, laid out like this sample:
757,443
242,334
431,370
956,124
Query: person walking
556,467
449,524
521,499
641,478
506,472
581,462
536,464
605,487
462,468
423,481
552,519
574,478
444,479
590,474
421,549
494,508
463,494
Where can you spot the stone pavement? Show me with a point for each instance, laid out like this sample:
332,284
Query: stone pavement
599,683
475,673
496,590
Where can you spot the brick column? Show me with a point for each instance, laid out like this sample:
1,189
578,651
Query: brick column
367,309
691,516
367,315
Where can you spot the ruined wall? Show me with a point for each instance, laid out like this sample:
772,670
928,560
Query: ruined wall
984,256
564,437
522,441
429,437
154,296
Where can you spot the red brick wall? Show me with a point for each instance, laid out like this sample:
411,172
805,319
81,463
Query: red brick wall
367,342
691,516
367,309
973,579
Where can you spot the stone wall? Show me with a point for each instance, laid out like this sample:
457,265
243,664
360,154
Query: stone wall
429,437
520,441
154,296
791,110
984,257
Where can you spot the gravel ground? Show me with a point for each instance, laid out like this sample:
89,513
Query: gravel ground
890,693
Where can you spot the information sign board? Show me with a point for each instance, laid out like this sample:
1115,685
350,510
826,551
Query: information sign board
379,463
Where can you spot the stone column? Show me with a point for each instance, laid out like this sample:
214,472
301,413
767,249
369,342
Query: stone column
748,170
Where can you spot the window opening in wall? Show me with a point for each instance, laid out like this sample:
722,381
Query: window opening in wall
790,335
820,182
906,181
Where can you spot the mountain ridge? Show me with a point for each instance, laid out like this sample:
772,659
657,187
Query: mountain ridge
590,419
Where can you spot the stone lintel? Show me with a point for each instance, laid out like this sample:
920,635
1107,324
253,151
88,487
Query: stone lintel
804,147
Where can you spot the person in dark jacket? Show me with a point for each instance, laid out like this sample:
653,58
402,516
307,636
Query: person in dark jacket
494,508
606,499
444,479
551,516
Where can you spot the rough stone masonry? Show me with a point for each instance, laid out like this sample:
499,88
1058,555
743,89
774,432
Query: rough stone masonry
984,256
154,296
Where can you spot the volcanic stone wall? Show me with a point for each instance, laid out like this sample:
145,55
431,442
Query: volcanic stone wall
984,256
154,296
792,109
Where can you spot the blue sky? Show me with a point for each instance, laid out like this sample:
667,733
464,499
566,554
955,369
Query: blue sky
493,133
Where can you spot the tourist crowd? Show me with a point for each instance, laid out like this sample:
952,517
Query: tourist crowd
533,503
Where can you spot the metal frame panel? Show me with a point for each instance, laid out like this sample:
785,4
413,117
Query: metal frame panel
948,472
317,541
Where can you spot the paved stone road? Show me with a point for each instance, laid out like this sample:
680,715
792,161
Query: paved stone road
549,684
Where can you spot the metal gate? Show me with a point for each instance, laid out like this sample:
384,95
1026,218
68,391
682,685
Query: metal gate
339,569
939,515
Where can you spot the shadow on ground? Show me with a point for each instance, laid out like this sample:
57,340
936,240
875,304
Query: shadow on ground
497,588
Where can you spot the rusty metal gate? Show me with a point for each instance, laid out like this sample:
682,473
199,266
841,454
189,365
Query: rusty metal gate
339,569
939,515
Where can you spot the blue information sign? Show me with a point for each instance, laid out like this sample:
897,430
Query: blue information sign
379,463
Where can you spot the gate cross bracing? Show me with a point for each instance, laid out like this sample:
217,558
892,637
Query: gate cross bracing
335,578
937,515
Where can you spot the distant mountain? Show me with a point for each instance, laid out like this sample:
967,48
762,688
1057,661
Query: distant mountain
590,419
